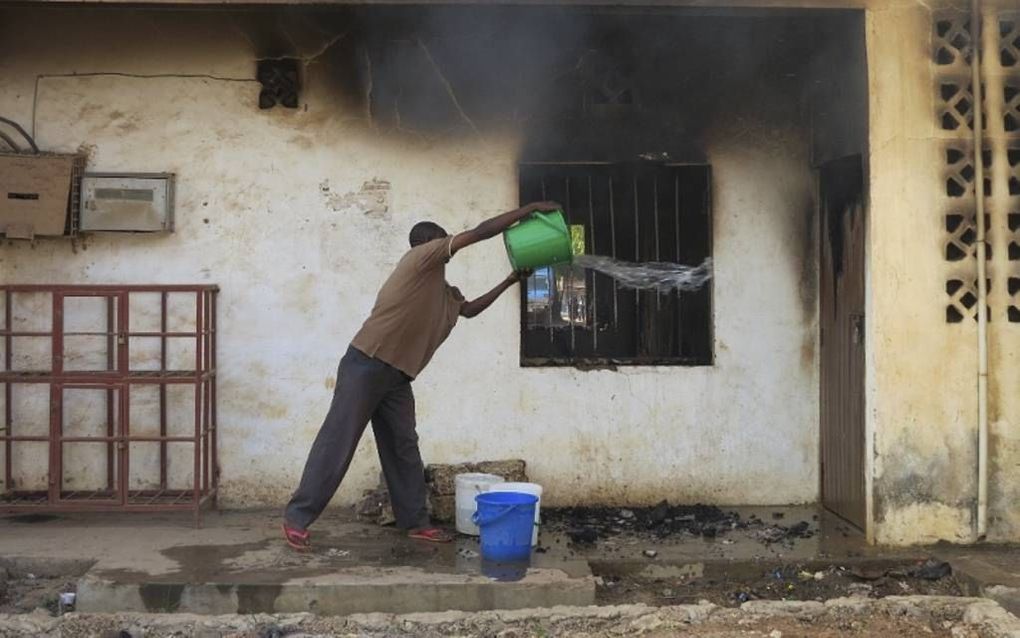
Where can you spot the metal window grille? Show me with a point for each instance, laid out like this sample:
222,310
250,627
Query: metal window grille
635,212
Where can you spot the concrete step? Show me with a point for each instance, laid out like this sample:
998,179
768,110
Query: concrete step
350,591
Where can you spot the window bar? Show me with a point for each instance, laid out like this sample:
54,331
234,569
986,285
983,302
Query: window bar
594,291
612,237
550,280
676,212
162,390
212,398
56,472
655,212
124,396
8,413
111,344
196,448
55,469
570,281
676,221
637,257
207,391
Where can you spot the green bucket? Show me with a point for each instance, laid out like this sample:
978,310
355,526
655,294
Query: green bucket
540,240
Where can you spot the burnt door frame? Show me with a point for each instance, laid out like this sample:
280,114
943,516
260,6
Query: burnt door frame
843,484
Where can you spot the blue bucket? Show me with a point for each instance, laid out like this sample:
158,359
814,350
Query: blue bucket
506,520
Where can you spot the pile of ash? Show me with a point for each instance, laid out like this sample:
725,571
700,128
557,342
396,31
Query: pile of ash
587,525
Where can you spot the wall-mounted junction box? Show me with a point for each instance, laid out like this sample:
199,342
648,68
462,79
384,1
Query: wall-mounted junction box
127,202
39,194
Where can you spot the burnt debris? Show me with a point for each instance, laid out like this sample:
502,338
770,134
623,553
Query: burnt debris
588,525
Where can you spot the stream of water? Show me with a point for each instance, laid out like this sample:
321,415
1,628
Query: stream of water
651,275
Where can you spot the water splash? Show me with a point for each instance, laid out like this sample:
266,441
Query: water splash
651,275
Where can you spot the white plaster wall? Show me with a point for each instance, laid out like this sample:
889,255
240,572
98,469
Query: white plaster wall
298,277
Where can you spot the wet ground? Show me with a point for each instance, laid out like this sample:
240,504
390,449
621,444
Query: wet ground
25,593
733,585
664,555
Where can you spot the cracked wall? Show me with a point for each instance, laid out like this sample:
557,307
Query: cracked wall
299,214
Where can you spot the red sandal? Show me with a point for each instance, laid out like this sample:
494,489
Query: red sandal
300,540
431,534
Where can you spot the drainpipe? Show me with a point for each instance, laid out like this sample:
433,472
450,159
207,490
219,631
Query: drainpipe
982,285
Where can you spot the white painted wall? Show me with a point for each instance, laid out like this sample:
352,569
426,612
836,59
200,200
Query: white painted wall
298,276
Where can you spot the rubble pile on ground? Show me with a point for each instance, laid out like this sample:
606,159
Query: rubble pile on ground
936,617
441,479
374,506
786,581
587,525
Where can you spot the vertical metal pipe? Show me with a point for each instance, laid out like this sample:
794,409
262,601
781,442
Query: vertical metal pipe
982,284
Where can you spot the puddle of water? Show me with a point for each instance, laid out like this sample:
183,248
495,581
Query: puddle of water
505,572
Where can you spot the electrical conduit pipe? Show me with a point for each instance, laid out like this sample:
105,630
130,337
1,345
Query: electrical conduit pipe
982,272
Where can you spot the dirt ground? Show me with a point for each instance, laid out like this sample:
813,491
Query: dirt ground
917,616
24,593
785,582
873,627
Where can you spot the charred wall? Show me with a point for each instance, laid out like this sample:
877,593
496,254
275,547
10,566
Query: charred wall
407,114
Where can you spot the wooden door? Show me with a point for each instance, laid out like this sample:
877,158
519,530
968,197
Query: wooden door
841,287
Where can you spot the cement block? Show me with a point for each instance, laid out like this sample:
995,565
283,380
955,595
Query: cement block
444,508
441,478
339,594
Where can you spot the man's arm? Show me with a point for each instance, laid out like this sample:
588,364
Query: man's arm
474,308
495,225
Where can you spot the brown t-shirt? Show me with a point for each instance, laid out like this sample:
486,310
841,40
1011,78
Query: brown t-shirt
415,310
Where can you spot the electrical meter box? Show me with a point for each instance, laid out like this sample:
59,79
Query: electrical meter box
127,202
39,194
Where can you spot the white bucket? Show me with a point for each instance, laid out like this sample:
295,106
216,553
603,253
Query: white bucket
525,488
468,486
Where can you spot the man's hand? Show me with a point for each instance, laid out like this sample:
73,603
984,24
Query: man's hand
544,207
475,307
520,275
494,226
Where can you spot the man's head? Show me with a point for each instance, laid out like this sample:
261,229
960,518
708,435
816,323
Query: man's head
424,232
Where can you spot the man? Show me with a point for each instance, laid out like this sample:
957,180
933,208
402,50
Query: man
414,313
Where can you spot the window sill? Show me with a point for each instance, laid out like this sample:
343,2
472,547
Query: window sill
612,364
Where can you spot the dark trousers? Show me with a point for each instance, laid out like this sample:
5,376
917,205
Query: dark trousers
366,390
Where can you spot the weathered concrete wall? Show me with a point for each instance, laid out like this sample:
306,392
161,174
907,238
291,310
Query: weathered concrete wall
271,207
922,371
